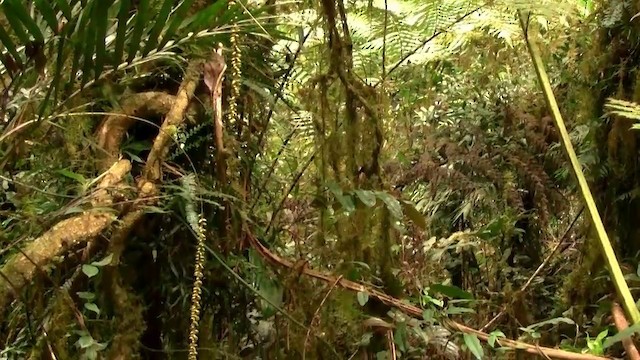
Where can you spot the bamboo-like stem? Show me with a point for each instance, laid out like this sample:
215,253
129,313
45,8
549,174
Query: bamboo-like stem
610,256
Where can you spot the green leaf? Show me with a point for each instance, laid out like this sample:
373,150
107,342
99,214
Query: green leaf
451,291
363,297
204,16
48,14
554,321
494,336
65,8
392,204
89,42
347,203
345,200
414,215
427,315
85,341
61,59
603,334
382,355
6,41
400,337
123,16
454,310
18,10
78,45
158,24
100,19
16,25
473,343
86,295
624,334
71,175
334,188
140,22
92,307
175,21
90,270
103,262
273,292
367,197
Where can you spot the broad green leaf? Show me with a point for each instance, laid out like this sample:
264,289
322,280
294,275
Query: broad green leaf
334,188
624,334
345,200
363,297
347,203
123,17
103,262
175,21
92,307
414,215
48,14
451,291
90,270
71,175
17,9
273,292
86,295
158,24
141,18
392,204
473,343
400,336
367,197
85,341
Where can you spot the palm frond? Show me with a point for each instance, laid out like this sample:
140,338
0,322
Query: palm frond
88,40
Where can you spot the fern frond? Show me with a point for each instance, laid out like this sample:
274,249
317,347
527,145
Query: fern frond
627,109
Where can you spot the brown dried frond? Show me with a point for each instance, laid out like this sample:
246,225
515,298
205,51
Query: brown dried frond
536,179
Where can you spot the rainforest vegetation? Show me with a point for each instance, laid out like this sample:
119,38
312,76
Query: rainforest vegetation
330,179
